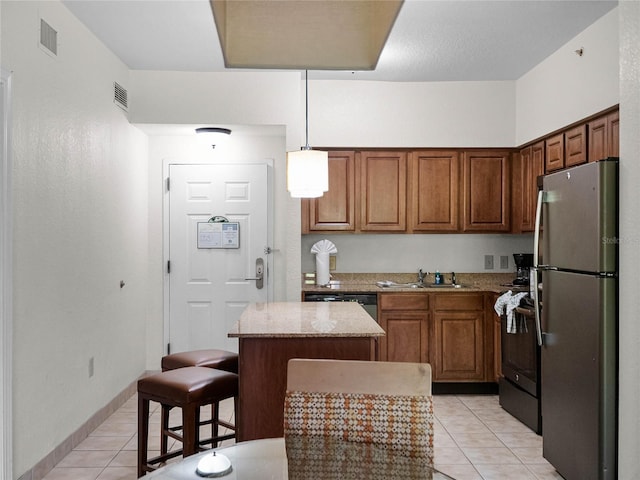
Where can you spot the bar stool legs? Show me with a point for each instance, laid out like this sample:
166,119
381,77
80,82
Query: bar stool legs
188,388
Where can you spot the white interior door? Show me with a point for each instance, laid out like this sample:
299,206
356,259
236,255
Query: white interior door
210,287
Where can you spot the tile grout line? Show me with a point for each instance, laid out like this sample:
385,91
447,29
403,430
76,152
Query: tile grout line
501,441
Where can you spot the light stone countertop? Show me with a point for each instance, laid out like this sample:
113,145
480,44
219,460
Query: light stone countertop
366,283
313,319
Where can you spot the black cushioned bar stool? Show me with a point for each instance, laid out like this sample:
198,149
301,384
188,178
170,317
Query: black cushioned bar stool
210,358
188,388
218,359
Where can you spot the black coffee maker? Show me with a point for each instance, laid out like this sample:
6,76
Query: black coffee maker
524,262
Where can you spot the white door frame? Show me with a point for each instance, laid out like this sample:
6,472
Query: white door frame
6,282
166,163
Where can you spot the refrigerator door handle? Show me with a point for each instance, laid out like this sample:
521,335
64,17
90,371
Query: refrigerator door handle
536,302
536,235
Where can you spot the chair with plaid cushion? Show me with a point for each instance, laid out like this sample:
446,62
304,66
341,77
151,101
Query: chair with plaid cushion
380,410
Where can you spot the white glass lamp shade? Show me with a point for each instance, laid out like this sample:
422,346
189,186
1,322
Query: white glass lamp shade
307,173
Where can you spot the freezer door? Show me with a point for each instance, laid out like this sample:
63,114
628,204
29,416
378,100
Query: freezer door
578,372
579,214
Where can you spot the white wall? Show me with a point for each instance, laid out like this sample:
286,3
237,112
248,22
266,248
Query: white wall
80,227
565,87
629,383
392,114
388,253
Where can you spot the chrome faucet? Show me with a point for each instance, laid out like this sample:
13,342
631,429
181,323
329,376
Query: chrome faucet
420,277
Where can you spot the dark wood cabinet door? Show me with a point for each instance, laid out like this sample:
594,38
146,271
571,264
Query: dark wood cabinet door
405,319
598,139
604,137
613,123
406,337
383,191
486,196
459,346
434,191
525,189
575,141
335,210
458,350
554,153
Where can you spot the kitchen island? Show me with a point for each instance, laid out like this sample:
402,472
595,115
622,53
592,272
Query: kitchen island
270,334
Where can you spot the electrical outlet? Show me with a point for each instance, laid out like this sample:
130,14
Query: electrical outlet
91,367
504,262
488,262
332,262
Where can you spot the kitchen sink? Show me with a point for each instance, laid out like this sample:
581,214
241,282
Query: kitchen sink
446,285
389,284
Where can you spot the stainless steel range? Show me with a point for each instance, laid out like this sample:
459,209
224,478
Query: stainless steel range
520,384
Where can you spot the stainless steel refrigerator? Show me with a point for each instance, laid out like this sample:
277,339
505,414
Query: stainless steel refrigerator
576,257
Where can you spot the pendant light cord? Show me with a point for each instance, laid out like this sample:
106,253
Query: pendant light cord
306,109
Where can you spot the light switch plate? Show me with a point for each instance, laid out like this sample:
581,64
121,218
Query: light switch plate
504,262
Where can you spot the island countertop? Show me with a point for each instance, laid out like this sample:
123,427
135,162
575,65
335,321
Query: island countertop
299,319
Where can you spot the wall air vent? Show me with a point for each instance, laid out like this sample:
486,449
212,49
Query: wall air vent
48,38
120,96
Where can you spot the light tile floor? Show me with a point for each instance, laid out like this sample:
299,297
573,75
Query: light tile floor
475,439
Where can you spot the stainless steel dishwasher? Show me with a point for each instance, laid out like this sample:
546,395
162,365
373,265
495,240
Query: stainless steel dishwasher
369,301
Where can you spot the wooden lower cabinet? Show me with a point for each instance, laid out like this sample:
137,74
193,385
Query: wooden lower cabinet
405,319
451,331
459,337
496,334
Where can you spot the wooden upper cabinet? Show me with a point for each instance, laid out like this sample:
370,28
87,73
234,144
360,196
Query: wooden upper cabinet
613,121
604,137
554,153
524,190
335,210
383,191
434,191
486,195
575,141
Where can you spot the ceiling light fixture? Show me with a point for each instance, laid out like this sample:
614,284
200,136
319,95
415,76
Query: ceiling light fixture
213,130
297,34
307,170
212,135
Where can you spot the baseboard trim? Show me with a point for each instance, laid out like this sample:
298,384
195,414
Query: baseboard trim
45,465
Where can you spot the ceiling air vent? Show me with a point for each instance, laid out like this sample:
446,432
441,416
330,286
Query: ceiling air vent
120,96
48,37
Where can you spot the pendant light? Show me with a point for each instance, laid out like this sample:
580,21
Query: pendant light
307,170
